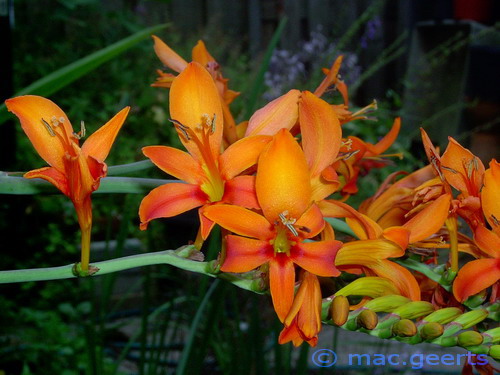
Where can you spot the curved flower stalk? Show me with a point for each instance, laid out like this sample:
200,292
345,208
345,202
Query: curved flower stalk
200,55
76,171
278,237
211,177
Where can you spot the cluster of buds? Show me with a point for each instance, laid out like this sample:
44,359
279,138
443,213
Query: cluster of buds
414,322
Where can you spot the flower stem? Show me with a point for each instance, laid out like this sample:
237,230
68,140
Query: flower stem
451,225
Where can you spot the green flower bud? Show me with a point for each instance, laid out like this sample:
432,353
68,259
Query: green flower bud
492,335
386,303
339,310
414,309
470,338
404,328
494,352
471,318
431,330
367,319
443,316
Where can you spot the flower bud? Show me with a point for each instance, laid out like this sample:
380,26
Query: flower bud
471,318
404,328
339,310
367,319
492,336
386,303
431,330
470,338
414,309
494,352
443,316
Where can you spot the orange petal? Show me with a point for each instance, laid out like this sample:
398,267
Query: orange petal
83,174
240,191
281,282
282,181
291,333
193,96
167,56
336,209
387,141
31,110
200,54
490,196
311,223
306,307
282,112
176,163
99,143
399,235
364,252
321,133
476,276
206,225
488,241
241,221
462,169
400,276
245,254
242,155
317,257
331,77
51,175
429,220
358,225
170,200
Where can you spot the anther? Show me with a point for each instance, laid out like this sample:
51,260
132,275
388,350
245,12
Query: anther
49,128
212,130
288,222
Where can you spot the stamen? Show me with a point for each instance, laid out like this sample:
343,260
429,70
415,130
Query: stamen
437,166
449,169
288,222
347,144
212,130
495,220
182,128
82,132
349,155
49,128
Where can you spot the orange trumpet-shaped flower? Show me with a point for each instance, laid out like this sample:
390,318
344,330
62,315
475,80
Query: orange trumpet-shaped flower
200,55
289,218
303,322
76,171
211,176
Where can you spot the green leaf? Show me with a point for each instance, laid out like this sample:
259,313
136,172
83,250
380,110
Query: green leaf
60,78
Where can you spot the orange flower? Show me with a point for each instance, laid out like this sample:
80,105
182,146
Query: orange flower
481,273
303,322
75,171
211,176
200,55
289,218
320,131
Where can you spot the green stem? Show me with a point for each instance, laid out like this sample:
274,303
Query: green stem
138,166
23,186
171,257
422,268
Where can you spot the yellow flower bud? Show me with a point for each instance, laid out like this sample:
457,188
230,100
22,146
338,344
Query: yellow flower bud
431,330
443,316
367,319
404,328
339,310
386,303
470,338
414,309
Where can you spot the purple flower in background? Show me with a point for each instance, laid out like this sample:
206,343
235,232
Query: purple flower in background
372,30
289,69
